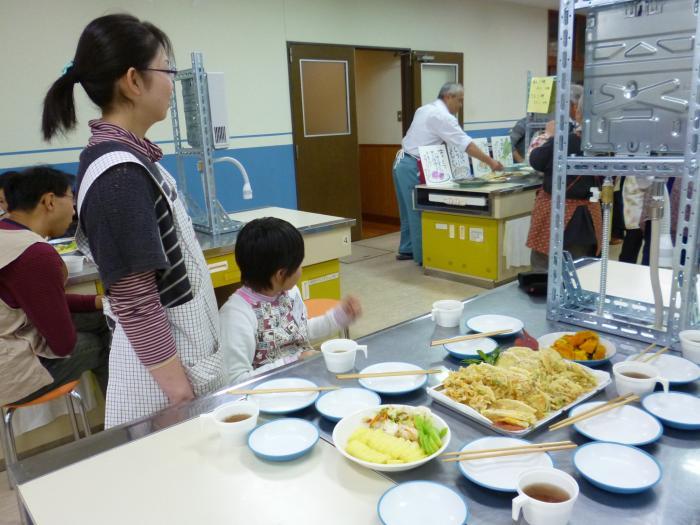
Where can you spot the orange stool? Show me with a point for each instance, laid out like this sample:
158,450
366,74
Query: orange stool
317,307
70,393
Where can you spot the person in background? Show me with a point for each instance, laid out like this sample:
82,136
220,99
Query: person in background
48,337
132,223
517,139
582,221
4,177
264,324
433,124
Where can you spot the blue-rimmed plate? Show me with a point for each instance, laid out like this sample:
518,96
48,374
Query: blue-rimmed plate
468,349
546,341
678,370
337,404
283,439
493,322
501,473
393,386
285,403
674,409
421,502
626,425
617,468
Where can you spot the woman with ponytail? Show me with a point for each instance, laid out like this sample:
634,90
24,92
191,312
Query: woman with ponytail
159,296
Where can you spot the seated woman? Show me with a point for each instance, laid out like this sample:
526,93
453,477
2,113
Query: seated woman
45,346
582,219
264,323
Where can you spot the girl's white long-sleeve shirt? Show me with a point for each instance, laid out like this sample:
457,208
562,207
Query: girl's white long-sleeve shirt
239,328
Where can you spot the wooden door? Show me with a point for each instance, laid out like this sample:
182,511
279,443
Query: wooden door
324,126
430,70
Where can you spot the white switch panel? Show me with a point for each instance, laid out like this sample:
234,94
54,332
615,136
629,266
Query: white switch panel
476,234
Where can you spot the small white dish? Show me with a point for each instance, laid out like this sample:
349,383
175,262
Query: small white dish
674,409
468,349
547,340
678,370
617,468
346,426
626,425
493,322
393,386
337,404
421,502
501,474
74,263
283,439
286,402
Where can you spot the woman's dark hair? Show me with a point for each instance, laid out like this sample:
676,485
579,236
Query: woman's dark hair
265,246
24,189
107,48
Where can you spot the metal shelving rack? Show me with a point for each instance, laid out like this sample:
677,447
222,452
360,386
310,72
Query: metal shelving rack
213,219
566,300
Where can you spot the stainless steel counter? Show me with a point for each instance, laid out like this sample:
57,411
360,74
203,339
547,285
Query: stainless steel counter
674,501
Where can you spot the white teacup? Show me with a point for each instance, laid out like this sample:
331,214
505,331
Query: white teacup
74,263
632,377
235,420
447,313
538,496
339,354
690,345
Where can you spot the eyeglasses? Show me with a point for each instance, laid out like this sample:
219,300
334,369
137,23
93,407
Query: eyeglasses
171,72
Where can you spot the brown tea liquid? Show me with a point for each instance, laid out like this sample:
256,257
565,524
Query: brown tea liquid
235,418
635,375
546,492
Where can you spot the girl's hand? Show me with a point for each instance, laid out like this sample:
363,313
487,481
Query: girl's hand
351,307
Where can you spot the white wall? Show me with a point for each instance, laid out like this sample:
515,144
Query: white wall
378,96
246,39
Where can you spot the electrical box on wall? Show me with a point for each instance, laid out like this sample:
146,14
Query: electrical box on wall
218,110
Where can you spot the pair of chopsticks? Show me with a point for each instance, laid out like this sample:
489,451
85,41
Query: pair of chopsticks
467,455
651,357
469,337
389,374
605,407
251,392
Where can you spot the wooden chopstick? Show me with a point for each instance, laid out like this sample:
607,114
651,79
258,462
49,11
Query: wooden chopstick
499,454
389,374
506,449
469,337
641,354
613,403
281,390
656,354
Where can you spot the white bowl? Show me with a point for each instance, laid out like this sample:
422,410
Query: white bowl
421,502
393,386
468,349
547,340
493,322
74,263
346,426
627,425
690,345
234,433
674,409
617,468
283,439
284,403
337,404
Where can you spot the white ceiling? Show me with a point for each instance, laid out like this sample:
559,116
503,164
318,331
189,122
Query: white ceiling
549,4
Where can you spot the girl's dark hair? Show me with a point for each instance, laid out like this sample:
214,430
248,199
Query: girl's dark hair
107,48
24,190
265,246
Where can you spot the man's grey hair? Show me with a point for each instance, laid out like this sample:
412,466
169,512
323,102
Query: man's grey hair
450,88
575,94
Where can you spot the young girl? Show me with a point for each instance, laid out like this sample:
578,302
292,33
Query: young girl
264,324
159,295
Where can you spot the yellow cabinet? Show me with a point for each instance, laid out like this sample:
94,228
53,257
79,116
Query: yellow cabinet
321,281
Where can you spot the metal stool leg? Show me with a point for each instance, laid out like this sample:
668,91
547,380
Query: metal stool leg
346,332
77,398
9,440
71,416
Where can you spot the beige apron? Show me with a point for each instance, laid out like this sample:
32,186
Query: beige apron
132,391
21,372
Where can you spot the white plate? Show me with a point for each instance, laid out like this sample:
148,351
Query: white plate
617,468
627,425
346,426
421,502
502,473
284,403
337,404
547,341
677,370
674,409
283,439
492,322
393,385
468,349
